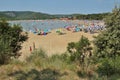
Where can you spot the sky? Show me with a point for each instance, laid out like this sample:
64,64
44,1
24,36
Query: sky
59,6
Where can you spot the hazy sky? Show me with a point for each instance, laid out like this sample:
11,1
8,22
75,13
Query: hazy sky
59,6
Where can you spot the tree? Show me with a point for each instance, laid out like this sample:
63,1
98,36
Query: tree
80,49
11,38
108,42
81,53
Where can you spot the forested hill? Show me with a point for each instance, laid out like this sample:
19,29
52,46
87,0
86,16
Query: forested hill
29,15
24,15
99,16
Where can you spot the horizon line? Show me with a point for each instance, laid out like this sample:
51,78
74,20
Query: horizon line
52,13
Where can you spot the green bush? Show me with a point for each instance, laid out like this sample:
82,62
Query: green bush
63,57
106,68
11,38
37,58
79,50
5,51
107,45
109,67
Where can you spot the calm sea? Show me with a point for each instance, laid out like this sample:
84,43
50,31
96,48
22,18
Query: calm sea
45,24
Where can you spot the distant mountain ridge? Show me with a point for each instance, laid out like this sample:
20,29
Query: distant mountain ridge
30,15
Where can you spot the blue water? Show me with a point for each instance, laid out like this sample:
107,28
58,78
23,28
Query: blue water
42,24
31,25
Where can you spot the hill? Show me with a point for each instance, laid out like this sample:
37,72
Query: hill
29,15
24,15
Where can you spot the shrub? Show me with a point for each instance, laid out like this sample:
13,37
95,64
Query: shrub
13,35
11,38
109,67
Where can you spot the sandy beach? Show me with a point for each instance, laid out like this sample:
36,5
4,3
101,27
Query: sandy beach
52,43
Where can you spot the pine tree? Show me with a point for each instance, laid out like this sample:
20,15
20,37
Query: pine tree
107,45
108,42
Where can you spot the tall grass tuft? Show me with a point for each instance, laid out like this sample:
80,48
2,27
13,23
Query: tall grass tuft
37,58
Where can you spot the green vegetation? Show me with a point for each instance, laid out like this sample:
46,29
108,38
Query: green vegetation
24,15
99,16
11,38
40,67
29,15
101,62
81,54
108,46
80,50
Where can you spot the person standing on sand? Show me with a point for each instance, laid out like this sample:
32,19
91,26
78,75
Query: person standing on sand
30,49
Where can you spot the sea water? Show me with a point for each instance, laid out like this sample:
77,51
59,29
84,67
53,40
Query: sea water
32,25
28,25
